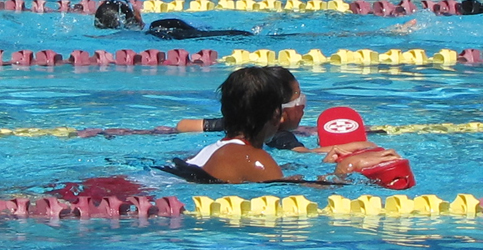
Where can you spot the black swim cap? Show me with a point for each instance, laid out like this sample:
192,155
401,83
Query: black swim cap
113,14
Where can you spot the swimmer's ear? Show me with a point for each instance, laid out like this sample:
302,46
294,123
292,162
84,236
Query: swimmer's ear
277,116
284,115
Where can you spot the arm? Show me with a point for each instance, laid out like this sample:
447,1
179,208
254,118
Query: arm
364,160
136,8
190,125
404,28
200,125
347,148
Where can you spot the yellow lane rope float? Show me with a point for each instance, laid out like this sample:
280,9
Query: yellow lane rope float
365,205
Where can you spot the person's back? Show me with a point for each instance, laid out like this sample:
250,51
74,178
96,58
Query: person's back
251,100
235,163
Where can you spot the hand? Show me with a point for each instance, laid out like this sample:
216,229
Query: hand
364,160
334,154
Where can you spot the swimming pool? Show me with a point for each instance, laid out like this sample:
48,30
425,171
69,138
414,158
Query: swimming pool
144,97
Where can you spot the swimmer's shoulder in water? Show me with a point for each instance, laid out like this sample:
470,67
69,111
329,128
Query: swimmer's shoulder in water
177,29
194,173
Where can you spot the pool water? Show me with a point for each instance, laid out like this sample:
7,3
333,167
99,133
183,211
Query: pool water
142,97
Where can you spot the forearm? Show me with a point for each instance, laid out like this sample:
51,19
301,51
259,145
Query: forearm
350,147
190,125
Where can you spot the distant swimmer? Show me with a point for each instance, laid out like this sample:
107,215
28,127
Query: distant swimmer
116,14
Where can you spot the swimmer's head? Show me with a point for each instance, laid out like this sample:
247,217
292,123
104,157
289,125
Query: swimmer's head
251,100
294,103
113,14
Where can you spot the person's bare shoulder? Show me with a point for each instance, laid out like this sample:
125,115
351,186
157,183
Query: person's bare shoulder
240,163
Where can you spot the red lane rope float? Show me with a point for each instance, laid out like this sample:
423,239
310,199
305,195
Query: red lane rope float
86,207
38,6
102,197
152,57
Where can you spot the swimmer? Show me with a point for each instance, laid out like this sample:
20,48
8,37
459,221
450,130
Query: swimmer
402,29
292,113
117,14
251,104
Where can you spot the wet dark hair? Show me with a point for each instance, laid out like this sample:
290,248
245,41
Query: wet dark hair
285,79
249,98
113,14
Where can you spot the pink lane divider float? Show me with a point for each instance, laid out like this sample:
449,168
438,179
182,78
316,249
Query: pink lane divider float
386,8
88,7
15,5
177,57
408,6
383,8
38,6
360,7
102,58
17,206
87,207
49,207
205,57
470,56
445,7
79,58
64,6
48,58
23,58
152,57
127,57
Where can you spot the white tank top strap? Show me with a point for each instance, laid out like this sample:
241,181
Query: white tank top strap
202,157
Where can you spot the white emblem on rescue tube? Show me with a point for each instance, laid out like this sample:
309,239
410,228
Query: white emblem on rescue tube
341,126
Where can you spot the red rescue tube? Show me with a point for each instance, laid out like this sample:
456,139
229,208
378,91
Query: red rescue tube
395,174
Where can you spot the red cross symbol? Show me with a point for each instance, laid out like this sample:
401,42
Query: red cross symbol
341,126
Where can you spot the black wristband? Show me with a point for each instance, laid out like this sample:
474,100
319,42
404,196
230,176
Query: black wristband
213,125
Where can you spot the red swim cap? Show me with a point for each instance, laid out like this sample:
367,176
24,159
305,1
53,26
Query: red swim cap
340,125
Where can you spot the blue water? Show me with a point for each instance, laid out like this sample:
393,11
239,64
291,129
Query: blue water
145,97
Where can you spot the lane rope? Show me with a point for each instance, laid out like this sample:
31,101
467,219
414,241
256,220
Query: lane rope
206,57
382,8
234,206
